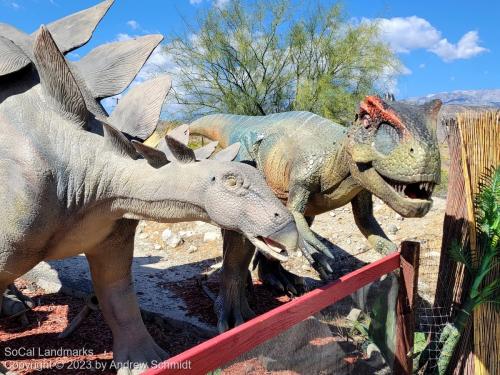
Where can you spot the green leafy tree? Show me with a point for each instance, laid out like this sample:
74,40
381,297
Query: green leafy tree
261,57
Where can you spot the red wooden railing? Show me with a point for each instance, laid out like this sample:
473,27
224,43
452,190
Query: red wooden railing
227,346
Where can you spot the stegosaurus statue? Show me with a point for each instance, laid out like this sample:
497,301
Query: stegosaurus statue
74,179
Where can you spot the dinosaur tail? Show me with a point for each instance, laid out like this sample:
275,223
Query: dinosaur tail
214,127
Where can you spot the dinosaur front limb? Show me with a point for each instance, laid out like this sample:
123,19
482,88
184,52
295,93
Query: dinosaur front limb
110,263
362,207
311,246
231,305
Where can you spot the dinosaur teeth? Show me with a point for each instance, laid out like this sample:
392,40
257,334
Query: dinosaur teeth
413,190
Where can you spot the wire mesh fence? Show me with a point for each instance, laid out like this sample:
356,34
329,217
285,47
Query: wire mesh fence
337,340
430,317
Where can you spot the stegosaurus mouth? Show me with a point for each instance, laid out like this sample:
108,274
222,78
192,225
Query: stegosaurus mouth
272,248
415,190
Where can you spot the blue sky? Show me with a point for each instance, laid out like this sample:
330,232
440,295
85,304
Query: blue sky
445,45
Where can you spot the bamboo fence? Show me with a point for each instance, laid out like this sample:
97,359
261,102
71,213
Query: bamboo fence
480,154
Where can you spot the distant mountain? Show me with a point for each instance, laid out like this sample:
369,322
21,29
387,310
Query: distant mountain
486,98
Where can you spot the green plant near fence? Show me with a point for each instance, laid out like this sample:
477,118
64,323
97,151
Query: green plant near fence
488,220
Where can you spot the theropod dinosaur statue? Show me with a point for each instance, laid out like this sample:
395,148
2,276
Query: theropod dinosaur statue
314,165
72,181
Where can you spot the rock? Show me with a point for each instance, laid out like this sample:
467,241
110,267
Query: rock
375,358
142,224
142,236
170,239
392,229
165,236
332,213
211,236
192,249
185,233
201,227
157,247
174,241
354,315
348,241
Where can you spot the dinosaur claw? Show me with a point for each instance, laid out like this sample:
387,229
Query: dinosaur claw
277,278
276,286
321,266
328,268
238,321
318,259
290,288
328,253
222,325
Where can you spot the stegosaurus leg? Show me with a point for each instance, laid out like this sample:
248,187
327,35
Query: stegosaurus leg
110,264
231,305
14,303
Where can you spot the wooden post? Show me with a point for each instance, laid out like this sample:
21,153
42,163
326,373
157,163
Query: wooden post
405,315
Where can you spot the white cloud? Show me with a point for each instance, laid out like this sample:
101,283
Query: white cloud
216,3
422,66
133,24
388,81
404,34
221,3
15,5
466,47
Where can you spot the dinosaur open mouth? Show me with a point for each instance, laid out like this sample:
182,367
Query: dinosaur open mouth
272,248
416,190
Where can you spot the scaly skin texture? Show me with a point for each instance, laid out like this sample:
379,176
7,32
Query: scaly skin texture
66,189
314,165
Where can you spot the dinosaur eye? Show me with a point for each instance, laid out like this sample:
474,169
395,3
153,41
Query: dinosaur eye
231,181
366,120
387,138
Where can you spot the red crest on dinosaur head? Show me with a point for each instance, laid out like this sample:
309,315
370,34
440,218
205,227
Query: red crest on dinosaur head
378,110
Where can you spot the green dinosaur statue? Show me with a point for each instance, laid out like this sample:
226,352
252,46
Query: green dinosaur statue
315,165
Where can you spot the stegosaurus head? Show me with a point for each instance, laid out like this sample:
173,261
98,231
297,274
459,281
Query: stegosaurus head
394,153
